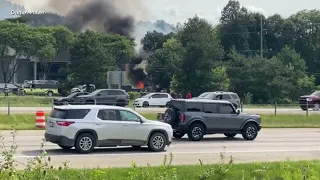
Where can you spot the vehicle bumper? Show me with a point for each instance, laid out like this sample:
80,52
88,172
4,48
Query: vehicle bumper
178,129
259,128
62,140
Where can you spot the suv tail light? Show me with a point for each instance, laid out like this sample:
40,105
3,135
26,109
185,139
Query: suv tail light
65,123
182,117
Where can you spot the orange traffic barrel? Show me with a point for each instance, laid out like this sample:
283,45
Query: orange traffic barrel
40,119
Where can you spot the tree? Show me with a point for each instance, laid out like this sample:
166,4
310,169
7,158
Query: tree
202,50
233,30
162,65
221,81
93,55
64,39
154,40
20,41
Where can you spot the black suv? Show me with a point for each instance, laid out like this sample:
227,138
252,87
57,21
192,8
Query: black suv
198,117
116,97
221,95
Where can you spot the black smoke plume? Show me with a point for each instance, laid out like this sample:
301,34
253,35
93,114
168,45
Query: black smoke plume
109,16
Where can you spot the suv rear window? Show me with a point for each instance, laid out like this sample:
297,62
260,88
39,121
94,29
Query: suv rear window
176,105
234,96
194,107
69,113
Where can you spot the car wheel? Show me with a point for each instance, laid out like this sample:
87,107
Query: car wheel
49,93
250,131
65,147
178,135
145,104
85,143
316,107
230,135
196,132
157,142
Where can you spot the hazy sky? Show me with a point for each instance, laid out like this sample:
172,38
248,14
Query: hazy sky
174,11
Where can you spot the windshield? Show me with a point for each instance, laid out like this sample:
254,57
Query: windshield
210,96
95,92
317,93
203,95
72,95
147,95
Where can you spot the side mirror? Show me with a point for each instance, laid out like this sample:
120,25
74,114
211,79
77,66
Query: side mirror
238,111
150,97
98,94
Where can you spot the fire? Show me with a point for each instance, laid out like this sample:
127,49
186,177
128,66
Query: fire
140,85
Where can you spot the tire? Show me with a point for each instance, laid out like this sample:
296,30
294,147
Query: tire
250,131
145,104
157,142
178,135
65,147
230,135
82,138
49,93
196,132
316,107
170,116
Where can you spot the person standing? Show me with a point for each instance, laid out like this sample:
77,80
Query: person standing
188,95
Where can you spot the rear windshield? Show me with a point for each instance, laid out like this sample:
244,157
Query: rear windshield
234,96
69,113
177,105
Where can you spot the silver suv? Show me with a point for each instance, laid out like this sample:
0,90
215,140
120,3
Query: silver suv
198,117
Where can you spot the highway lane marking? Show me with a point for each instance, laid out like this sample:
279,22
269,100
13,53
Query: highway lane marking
164,153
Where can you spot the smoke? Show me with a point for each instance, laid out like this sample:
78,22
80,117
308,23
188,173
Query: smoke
109,16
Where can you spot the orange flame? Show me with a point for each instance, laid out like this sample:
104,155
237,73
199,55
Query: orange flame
140,85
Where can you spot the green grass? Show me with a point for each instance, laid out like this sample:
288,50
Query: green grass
250,171
26,101
27,121
38,101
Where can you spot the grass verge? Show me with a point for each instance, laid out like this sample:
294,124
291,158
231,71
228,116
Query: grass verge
43,101
27,121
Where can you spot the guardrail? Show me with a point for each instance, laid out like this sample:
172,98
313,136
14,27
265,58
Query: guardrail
16,104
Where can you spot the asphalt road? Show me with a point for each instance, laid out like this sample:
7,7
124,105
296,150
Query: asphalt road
32,110
271,145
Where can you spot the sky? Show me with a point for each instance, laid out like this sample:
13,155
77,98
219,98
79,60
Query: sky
174,11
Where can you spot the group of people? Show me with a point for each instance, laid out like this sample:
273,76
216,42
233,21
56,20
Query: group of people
178,96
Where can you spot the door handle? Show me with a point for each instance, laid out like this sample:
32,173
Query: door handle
125,125
98,124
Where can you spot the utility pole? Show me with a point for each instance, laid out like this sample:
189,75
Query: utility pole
262,31
261,39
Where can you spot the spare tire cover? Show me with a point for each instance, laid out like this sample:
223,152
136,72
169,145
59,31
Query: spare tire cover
170,116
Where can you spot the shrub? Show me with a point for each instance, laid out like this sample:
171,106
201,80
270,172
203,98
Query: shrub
133,95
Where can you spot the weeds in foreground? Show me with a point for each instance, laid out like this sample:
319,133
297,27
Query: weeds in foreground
40,167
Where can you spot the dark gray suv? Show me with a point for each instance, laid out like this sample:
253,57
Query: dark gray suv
198,117
105,97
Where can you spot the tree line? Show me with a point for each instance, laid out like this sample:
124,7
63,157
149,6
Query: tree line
196,57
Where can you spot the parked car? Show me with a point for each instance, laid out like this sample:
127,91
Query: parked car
68,99
153,99
88,126
313,101
105,97
198,117
221,95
